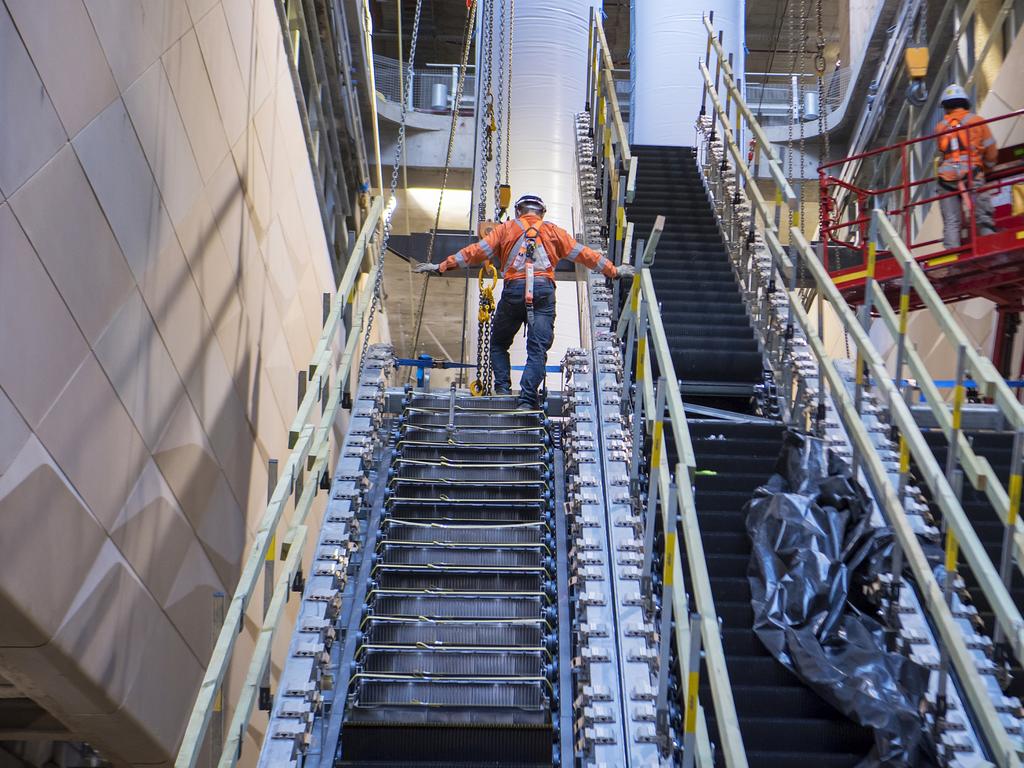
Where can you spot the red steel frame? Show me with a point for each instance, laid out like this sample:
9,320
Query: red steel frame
990,266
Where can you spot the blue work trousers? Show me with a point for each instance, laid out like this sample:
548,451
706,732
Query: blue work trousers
508,319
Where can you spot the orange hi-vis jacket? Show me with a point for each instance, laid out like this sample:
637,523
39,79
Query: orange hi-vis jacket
507,243
966,150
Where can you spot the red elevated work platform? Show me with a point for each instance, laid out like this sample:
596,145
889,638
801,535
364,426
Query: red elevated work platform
989,266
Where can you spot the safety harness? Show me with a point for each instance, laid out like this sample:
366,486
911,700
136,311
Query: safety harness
529,254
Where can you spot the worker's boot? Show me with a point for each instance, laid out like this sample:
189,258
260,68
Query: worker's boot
502,391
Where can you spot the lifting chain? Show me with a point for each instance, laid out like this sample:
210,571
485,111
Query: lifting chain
502,190
467,33
499,123
483,384
376,300
489,125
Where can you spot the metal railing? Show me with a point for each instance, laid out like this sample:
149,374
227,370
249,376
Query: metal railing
427,96
310,438
779,308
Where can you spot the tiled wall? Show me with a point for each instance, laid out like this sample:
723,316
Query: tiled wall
161,267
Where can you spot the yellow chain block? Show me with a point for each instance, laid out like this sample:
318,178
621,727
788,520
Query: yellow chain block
476,387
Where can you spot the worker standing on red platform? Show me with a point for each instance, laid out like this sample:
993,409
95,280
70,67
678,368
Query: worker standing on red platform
967,151
527,249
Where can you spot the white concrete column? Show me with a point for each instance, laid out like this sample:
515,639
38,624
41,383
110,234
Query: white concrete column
667,40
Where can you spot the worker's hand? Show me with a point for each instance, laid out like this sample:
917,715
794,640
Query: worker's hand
625,271
427,268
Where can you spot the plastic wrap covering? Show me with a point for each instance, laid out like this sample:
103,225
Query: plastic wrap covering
813,546
668,38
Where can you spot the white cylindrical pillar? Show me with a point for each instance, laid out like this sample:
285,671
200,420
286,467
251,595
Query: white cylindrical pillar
667,39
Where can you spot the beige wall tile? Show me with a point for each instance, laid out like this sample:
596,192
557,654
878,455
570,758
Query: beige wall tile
30,131
187,74
138,365
222,66
271,424
174,303
255,181
199,8
120,640
153,533
227,202
14,432
92,438
49,517
190,602
297,334
154,25
220,411
66,227
188,464
207,258
154,114
279,265
117,169
67,54
40,345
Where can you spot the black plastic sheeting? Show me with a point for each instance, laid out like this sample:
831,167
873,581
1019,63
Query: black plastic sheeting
813,548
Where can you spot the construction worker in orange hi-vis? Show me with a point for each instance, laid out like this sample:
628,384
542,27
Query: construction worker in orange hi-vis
967,150
527,249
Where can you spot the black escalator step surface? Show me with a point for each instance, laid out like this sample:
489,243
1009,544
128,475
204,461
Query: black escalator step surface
754,465
795,702
418,634
460,557
474,420
396,532
761,671
741,641
464,608
806,734
720,366
436,694
679,341
448,492
464,581
725,542
469,455
730,588
439,663
739,430
758,758
721,501
729,566
472,437
535,473
482,740
424,511
681,318
719,520
438,402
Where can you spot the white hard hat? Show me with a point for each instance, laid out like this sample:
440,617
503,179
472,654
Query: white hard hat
531,201
952,92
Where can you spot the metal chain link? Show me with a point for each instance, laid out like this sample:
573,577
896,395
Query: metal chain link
498,157
819,67
376,300
487,113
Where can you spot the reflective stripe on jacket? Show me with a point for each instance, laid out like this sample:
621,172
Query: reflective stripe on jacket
965,146
506,243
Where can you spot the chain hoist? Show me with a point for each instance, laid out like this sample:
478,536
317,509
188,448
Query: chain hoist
376,300
487,116
483,384
804,11
916,58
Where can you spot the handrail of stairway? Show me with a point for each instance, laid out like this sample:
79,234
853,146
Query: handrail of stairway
310,442
886,495
976,468
803,255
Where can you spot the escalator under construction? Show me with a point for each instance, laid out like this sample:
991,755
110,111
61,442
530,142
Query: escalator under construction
571,585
